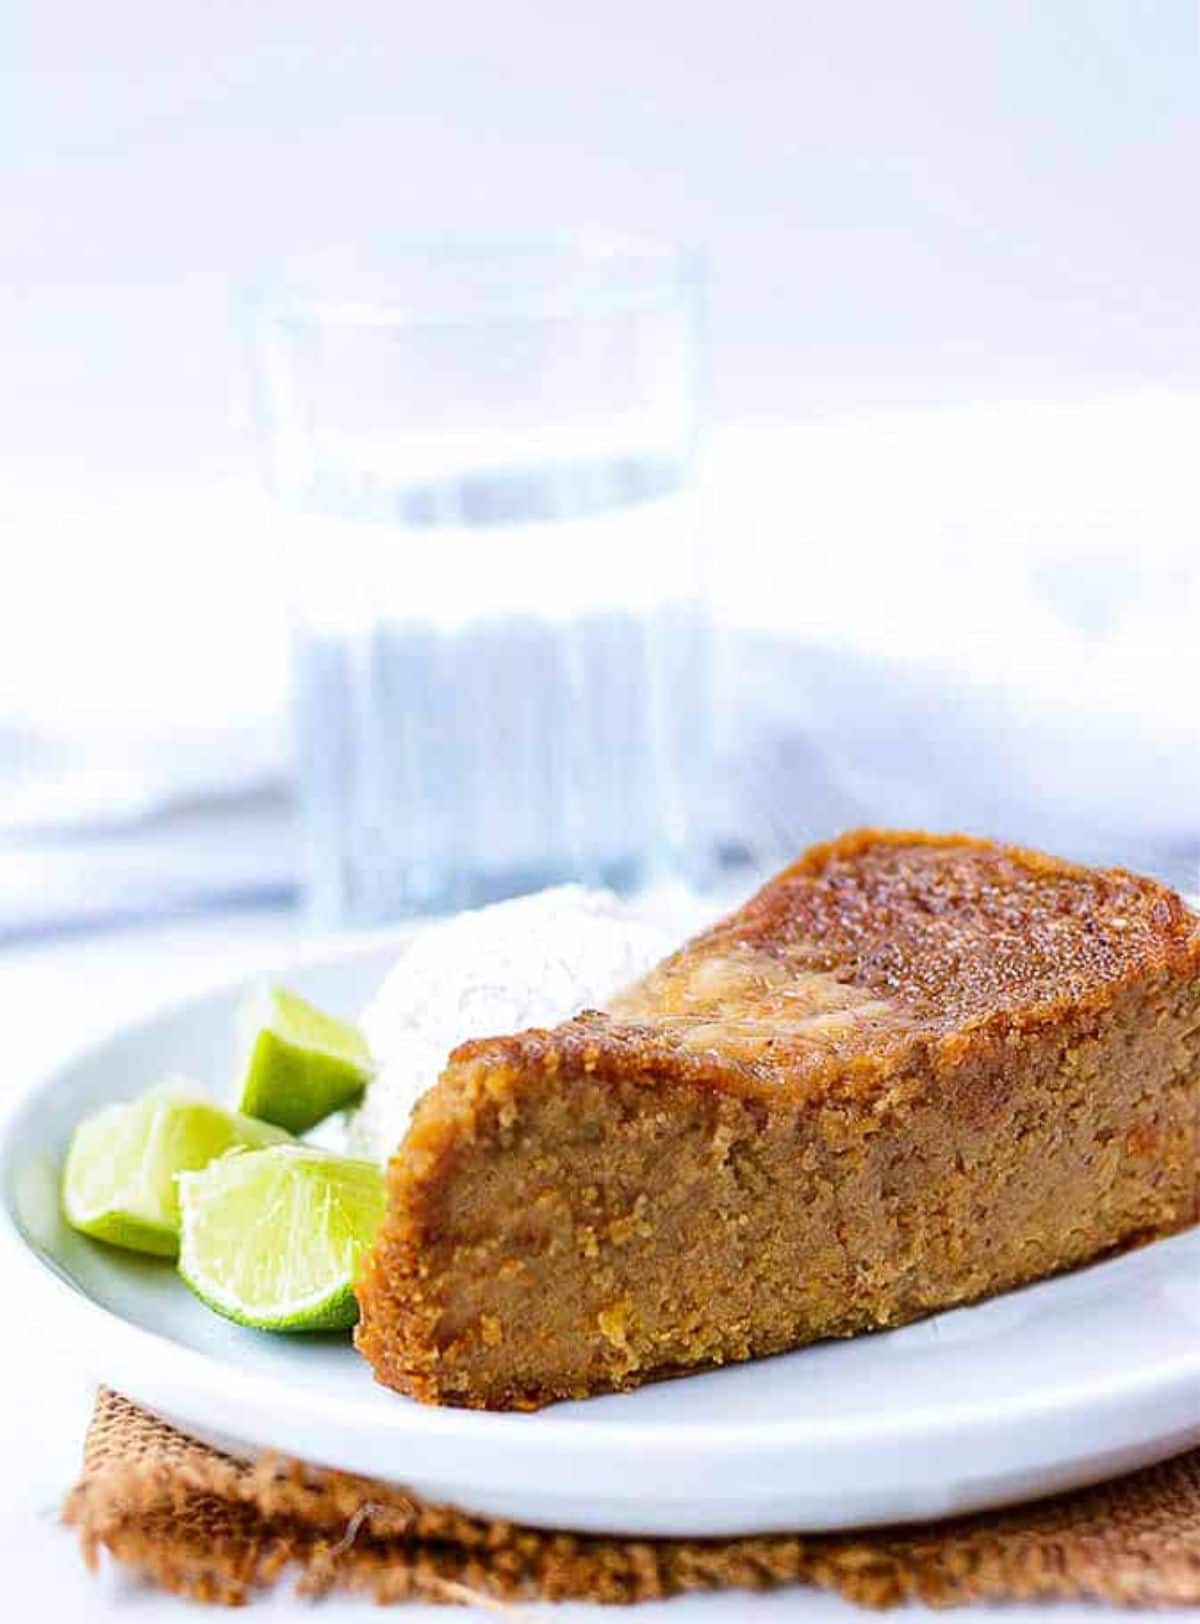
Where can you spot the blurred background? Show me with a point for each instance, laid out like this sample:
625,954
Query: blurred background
927,398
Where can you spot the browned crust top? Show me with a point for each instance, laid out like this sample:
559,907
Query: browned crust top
893,943
953,927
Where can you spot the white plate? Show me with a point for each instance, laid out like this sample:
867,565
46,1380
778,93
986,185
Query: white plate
1057,1385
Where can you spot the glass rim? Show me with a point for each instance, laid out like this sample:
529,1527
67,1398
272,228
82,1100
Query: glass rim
606,273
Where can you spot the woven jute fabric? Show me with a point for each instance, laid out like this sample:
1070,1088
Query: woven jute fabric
217,1529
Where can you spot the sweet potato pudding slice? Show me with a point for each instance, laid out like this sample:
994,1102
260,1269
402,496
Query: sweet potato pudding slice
910,1072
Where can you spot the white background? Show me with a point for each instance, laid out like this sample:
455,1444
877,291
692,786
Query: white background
904,206
943,200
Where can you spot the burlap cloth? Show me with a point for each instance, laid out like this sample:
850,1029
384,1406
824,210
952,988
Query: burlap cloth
217,1529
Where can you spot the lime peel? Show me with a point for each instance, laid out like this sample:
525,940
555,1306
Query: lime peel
273,1238
118,1182
301,1065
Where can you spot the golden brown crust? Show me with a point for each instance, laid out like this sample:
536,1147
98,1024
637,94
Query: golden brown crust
911,1070
956,927
915,939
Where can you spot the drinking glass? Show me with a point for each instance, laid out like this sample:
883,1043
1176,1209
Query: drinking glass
484,456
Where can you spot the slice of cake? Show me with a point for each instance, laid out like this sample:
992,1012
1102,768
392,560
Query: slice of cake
910,1072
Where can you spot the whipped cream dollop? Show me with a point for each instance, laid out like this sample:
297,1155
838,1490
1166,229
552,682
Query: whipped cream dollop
533,961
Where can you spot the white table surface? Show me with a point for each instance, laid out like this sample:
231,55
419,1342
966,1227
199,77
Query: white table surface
57,996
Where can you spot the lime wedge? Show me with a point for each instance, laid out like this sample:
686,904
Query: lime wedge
301,1065
273,1238
119,1179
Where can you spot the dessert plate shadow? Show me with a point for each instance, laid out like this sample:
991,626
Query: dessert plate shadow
1060,1384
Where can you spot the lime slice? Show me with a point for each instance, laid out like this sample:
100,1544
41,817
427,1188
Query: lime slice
119,1179
273,1238
301,1064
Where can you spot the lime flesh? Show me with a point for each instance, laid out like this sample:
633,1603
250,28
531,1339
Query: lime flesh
119,1179
273,1238
301,1064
